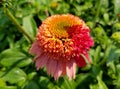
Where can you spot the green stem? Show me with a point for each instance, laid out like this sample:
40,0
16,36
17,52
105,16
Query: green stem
97,12
9,14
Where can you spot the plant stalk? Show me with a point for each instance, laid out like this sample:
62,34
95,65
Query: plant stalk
13,19
97,12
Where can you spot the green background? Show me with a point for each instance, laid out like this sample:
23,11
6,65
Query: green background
16,68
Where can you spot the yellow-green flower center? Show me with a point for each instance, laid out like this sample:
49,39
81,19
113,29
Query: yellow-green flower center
59,30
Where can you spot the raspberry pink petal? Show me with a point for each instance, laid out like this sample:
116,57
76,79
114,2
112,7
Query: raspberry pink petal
71,69
80,61
51,67
41,61
58,70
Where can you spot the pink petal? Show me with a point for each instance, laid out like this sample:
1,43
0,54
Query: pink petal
35,49
64,68
58,70
74,69
71,69
51,66
41,61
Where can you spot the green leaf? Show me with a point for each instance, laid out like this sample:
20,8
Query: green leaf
68,84
8,87
116,27
15,75
45,83
97,55
14,57
1,36
29,25
32,85
101,84
116,6
106,17
105,3
96,69
2,82
31,75
116,82
101,36
24,62
111,70
114,53
94,86
83,80
106,55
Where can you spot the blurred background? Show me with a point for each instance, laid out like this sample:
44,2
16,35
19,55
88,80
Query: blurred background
16,68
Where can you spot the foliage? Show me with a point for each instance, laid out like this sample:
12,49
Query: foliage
16,68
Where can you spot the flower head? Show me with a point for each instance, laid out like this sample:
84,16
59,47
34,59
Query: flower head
60,44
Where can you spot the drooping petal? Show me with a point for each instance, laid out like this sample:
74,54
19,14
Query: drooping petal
71,69
88,58
58,70
35,49
74,69
41,61
64,68
51,67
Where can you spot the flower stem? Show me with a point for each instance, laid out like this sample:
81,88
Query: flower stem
97,12
13,19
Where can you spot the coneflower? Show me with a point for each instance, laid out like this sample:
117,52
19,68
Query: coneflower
61,43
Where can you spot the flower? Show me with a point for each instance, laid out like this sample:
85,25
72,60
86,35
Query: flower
62,43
